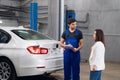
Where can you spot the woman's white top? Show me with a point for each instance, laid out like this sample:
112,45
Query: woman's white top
97,56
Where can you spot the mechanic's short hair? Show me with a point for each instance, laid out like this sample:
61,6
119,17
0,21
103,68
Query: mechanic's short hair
70,20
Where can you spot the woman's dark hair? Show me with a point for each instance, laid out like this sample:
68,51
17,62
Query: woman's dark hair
70,20
100,36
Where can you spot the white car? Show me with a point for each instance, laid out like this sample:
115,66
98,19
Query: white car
24,52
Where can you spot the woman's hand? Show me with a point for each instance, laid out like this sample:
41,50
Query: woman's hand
94,67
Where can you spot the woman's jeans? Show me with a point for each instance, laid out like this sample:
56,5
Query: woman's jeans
95,75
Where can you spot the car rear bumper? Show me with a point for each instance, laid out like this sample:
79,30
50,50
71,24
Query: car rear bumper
37,68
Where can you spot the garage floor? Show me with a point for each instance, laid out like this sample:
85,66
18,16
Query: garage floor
112,72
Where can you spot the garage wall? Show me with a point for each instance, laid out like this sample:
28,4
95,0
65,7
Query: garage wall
10,2
48,16
104,14
42,14
8,21
53,19
50,19
11,23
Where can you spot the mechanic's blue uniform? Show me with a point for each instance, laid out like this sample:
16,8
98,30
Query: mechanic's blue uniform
71,59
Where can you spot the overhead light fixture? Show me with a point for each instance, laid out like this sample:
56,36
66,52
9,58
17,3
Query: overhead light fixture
1,21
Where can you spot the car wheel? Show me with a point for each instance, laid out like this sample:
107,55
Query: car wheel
7,71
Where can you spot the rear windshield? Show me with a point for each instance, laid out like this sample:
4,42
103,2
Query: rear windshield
30,35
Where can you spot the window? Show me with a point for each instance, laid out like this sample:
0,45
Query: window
30,35
4,37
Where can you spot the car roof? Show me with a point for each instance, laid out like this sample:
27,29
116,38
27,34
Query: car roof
11,28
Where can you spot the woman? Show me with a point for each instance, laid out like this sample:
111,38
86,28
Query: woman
97,55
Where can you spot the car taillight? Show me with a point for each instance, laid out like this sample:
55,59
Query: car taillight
37,50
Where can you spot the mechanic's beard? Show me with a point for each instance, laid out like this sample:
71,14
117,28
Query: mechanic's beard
72,28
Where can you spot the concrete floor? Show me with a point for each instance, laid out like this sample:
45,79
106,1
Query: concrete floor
112,72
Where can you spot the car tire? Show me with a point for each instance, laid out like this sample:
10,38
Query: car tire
7,71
